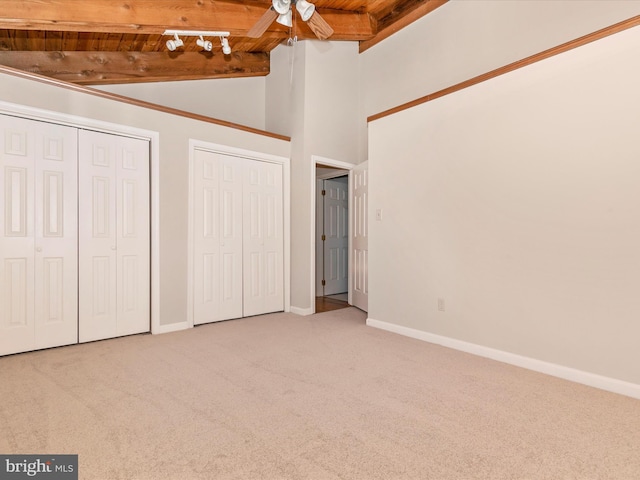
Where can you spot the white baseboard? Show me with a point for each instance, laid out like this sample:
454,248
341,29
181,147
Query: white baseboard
302,311
567,373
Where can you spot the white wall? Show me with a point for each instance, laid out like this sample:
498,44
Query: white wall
463,39
279,89
517,202
321,114
237,100
175,133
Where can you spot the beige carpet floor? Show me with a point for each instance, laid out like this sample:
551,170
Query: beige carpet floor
319,397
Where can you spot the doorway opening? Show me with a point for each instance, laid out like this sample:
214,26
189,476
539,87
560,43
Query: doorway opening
332,238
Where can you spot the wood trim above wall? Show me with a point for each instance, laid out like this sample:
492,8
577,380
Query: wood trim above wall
132,101
592,37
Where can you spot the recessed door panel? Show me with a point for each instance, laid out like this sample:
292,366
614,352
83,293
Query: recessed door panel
17,291
53,213
53,290
15,141
209,279
210,213
130,208
15,201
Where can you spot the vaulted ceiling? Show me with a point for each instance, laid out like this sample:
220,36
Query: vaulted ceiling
96,42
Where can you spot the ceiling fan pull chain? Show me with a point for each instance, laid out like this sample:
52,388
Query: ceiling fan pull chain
292,39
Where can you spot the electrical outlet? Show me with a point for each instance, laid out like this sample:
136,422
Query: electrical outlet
441,304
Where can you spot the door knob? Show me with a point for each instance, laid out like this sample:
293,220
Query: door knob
113,247
38,249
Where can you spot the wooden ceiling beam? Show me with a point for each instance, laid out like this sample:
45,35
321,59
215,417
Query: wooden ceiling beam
155,16
96,68
411,11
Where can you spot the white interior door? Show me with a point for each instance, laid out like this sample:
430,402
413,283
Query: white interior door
38,246
336,236
133,236
114,240
263,245
56,230
238,236
217,237
360,242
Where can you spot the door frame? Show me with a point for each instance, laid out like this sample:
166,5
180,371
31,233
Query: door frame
286,205
153,138
328,162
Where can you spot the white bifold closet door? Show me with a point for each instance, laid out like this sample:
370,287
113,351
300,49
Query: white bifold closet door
238,237
114,241
218,237
262,246
38,235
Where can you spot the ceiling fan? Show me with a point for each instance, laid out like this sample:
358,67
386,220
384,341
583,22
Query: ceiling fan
282,11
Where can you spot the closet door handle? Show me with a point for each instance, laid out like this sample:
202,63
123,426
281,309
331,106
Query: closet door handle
113,247
38,249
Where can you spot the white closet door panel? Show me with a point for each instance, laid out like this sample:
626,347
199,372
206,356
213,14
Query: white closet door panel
17,247
38,245
263,238
230,299
217,237
97,236
206,237
253,241
56,236
114,242
273,239
133,288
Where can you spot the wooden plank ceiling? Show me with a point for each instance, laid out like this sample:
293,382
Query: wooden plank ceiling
121,41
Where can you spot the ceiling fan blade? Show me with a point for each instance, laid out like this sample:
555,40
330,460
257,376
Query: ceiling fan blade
261,25
319,26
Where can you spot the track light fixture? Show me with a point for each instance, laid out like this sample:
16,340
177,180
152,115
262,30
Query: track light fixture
176,42
206,44
226,49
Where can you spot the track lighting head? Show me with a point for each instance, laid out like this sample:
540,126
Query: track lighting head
226,49
174,43
206,44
